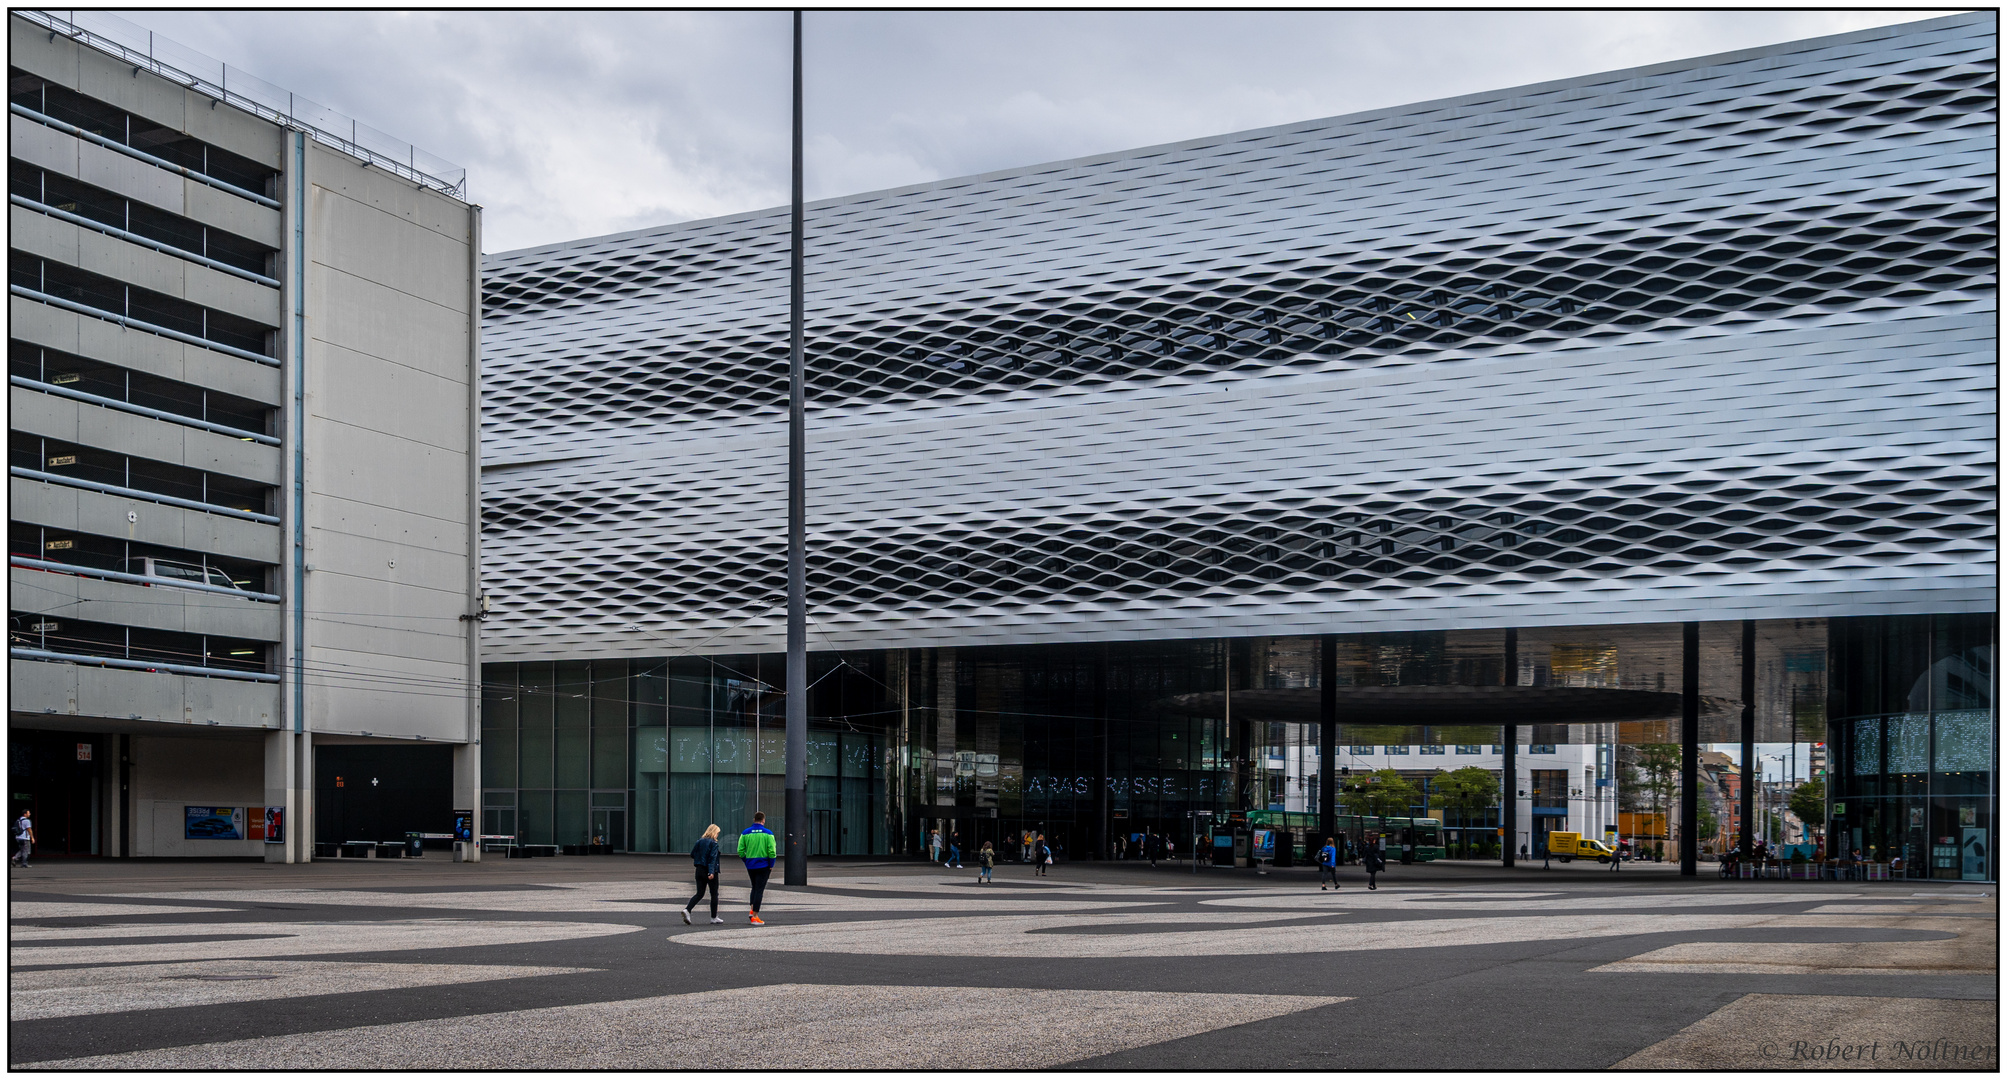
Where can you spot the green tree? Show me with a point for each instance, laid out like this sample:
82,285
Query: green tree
1709,823
1808,801
1660,762
1385,794
1467,789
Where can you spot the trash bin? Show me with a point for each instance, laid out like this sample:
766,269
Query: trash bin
414,846
1285,848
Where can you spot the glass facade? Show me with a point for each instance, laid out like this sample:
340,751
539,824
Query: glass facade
1088,743
1914,743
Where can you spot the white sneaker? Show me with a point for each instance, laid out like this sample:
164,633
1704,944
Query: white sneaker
686,916
715,920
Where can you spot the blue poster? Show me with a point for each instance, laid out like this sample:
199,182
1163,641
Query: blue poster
213,823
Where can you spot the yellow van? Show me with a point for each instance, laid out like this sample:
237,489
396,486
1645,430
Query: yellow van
1568,847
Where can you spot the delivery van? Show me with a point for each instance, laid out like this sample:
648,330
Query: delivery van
1568,847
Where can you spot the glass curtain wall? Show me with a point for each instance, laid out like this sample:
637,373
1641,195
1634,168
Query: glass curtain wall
1912,741
1090,745
641,755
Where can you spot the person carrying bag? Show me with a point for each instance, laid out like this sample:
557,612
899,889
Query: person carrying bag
705,856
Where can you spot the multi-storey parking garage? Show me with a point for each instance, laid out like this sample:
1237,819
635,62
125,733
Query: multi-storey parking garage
241,532
1657,403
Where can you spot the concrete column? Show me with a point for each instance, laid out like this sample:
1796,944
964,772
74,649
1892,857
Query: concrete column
1689,745
279,791
300,831
467,788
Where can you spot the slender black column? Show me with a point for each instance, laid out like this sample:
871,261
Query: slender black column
1752,774
1689,750
1103,802
794,865
1509,772
1327,739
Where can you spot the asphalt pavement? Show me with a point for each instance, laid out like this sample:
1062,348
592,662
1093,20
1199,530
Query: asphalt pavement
585,962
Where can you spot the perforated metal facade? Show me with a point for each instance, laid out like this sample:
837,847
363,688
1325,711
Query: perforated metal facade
1705,340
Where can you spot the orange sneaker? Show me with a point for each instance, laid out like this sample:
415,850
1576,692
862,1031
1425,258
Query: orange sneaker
755,919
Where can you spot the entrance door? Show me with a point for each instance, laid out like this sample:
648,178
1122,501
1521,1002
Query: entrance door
499,821
56,776
821,832
609,826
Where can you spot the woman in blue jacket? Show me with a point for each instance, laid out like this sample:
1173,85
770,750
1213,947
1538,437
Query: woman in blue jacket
705,855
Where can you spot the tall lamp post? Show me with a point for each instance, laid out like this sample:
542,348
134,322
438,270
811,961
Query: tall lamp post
795,866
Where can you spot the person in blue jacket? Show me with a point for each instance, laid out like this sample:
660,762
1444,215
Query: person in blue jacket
1327,863
705,855
757,847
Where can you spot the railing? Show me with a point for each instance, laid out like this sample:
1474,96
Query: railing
136,579
142,410
140,494
178,63
141,155
143,241
129,323
18,653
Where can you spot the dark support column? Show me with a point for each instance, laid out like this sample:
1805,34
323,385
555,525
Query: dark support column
1104,803
1327,740
1689,750
1751,772
1509,772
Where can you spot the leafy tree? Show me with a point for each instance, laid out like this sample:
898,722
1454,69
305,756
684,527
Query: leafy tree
1388,794
1467,789
1660,762
1808,801
1709,822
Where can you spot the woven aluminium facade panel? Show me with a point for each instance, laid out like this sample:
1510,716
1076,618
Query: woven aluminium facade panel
1706,340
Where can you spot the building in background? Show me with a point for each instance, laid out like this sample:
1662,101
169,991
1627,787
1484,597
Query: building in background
243,514
1578,407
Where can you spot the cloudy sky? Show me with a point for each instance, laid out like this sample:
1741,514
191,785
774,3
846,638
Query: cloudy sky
574,124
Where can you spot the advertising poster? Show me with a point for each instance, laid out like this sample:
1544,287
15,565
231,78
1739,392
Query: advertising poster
1264,843
213,823
275,824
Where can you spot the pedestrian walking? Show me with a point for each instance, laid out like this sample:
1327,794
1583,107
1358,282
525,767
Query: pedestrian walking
934,845
1375,861
955,850
757,848
24,838
705,856
1327,863
987,859
1616,861
1041,854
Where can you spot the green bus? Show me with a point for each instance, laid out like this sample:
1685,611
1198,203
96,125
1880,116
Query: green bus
1425,834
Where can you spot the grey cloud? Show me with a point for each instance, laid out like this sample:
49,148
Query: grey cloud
579,123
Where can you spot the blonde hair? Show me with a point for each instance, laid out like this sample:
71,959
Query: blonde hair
711,833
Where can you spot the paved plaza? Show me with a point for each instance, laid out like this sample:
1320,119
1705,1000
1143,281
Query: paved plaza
584,963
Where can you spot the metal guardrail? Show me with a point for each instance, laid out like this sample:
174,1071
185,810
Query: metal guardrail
140,410
18,653
143,496
143,241
178,63
135,152
136,579
129,323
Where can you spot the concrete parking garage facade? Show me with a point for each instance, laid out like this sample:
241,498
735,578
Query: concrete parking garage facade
243,507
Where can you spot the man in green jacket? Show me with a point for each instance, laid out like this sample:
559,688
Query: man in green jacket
757,848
